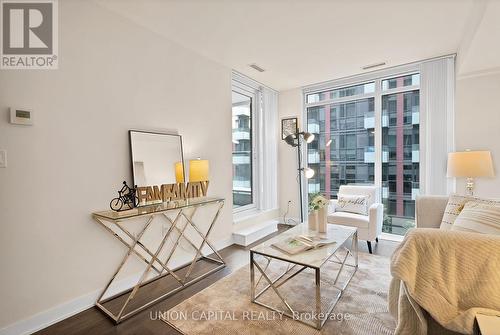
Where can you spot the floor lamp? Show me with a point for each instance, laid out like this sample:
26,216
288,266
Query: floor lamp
295,140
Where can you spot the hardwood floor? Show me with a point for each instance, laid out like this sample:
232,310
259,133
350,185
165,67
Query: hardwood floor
93,321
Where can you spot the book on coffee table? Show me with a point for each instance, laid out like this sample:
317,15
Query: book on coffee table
298,244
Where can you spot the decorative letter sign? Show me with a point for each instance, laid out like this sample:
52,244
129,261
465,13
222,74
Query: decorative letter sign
168,192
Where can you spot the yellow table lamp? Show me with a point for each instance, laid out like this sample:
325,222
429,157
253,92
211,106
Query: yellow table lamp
179,172
198,170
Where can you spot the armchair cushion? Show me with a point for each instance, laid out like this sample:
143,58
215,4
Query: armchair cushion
352,203
370,191
349,219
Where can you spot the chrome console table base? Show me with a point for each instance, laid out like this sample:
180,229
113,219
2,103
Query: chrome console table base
153,263
351,252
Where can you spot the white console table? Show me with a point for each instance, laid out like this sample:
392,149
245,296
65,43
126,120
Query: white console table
178,215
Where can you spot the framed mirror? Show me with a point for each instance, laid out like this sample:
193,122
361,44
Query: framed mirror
157,158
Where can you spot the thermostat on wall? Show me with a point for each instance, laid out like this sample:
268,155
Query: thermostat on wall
21,116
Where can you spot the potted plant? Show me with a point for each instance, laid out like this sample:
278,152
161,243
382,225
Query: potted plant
318,211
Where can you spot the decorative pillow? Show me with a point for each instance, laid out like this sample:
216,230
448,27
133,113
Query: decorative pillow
453,208
455,205
478,217
352,203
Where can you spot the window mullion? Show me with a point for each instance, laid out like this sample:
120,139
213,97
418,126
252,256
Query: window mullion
378,135
258,149
402,89
339,100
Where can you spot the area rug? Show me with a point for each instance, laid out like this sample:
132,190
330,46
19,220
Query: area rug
225,307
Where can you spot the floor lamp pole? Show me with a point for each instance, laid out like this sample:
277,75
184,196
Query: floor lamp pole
299,156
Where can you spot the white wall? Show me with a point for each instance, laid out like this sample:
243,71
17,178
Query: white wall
112,76
477,121
290,105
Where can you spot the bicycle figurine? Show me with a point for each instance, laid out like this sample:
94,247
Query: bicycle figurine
126,197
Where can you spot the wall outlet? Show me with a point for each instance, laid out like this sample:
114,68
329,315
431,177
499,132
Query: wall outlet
3,158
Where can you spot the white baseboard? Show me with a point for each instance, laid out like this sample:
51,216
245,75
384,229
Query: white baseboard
53,315
65,310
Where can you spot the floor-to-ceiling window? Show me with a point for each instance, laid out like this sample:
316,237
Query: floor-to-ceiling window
338,154
254,123
400,151
242,148
345,150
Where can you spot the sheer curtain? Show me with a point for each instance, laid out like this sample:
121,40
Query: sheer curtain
269,150
437,113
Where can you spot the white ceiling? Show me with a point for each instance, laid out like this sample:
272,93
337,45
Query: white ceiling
305,42
481,52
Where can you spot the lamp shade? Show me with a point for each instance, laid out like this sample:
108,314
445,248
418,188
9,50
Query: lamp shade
308,137
308,173
179,172
470,164
198,170
290,140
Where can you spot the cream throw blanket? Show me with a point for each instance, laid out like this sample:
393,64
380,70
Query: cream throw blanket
451,275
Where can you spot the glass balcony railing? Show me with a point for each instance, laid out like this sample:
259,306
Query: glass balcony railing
313,157
313,128
241,134
241,159
242,185
370,155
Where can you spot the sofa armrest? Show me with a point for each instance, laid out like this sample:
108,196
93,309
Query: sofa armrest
333,206
376,215
429,210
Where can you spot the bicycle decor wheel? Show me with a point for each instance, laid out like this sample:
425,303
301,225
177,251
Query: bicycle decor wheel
116,204
126,197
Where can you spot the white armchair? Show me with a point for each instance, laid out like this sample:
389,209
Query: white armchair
369,226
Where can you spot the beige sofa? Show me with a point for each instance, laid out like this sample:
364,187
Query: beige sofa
434,258
429,210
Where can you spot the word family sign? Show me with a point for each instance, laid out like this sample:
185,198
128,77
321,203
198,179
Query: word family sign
169,192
